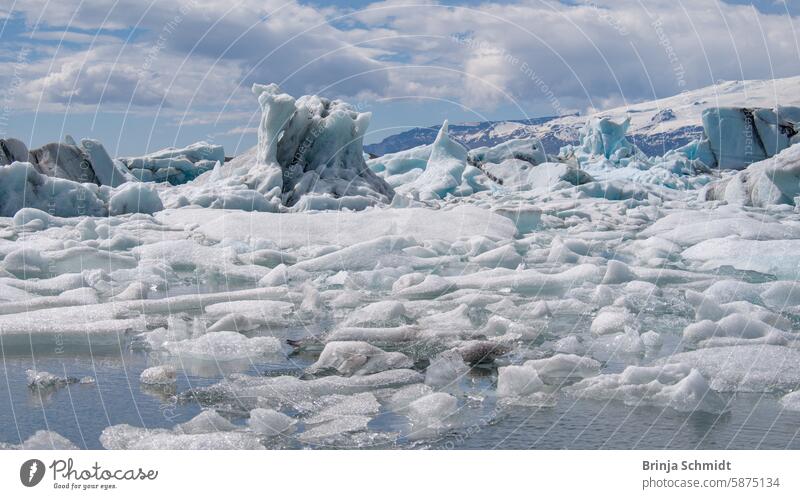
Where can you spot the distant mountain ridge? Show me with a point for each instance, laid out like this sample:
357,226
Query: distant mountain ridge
656,126
472,135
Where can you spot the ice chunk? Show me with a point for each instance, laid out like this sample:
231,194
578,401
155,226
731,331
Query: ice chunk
504,256
610,320
564,365
208,421
791,401
570,344
383,314
46,380
518,381
126,437
158,375
546,177
730,132
778,257
446,172
107,172
12,150
337,406
22,186
175,165
735,325
270,423
46,440
358,358
617,273
771,181
432,286
433,411
335,428
446,370
529,150
605,138
671,385
782,294
379,335
223,346
744,368
290,390
63,161
134,198
455,322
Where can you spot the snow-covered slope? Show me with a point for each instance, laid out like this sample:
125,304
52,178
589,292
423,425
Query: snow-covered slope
656,126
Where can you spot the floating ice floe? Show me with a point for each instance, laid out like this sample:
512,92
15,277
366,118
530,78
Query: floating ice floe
42,440
127,437
744,368
270,423
158,375
671,385
223,346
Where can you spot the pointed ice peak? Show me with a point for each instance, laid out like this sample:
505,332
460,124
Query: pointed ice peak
444,131
444,147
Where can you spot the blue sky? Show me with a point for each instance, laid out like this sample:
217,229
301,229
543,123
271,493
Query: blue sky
144,75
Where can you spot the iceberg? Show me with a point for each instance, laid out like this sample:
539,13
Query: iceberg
739,137
313,146
446,171
309,157
175,165
767,182
12,150
22,186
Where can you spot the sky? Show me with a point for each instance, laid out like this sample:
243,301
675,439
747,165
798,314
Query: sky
140,75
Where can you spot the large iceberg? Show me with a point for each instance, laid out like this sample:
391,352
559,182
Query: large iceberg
739,137
309,156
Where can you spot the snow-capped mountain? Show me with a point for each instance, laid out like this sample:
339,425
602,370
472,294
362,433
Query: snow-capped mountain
472,134
656,126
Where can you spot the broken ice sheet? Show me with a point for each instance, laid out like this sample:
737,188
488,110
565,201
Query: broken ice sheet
307,307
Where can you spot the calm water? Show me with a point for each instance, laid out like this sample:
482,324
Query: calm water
81,411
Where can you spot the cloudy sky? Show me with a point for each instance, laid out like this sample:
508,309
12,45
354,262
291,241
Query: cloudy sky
144,74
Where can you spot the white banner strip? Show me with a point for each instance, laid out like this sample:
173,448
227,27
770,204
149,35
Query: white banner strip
354,474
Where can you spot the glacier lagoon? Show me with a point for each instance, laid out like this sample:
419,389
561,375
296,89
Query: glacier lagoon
81,412
304,295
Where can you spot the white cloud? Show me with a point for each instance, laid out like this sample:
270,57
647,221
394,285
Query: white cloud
200,56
